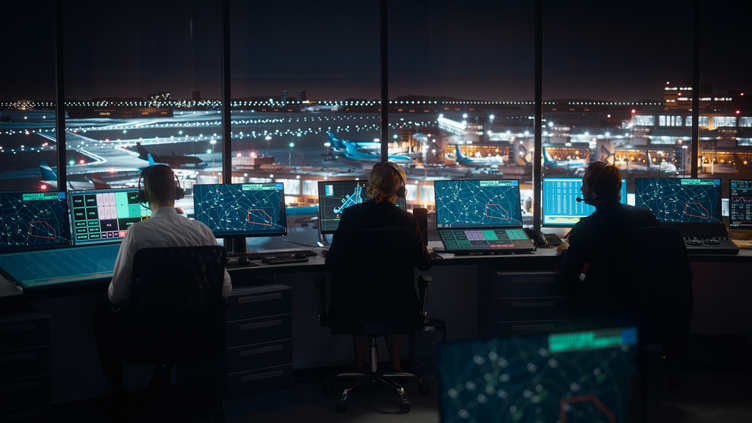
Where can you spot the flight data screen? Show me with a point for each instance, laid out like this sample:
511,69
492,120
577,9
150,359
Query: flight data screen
241,209
30,220
478,203
740,204
336,196
484,240
585,376
560,205
103,216
680,200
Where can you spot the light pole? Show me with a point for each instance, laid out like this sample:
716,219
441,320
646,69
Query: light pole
213,141
289,156
328,158
268,144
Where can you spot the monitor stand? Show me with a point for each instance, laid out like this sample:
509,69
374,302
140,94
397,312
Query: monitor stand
235,246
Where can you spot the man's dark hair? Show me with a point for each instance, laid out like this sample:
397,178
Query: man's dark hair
606,180
159,183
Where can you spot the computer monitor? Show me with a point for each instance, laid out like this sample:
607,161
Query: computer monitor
592,375
560,205
740,204
103,216
242,210
33,220
674,200
493,203
336,196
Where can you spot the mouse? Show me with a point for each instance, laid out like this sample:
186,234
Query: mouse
300,255
243,260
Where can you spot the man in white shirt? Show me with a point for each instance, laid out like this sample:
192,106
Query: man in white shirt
165,228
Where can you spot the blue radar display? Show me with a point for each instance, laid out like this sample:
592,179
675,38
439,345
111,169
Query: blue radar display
336,196
33,220
587,376
680,200
478,203
241,209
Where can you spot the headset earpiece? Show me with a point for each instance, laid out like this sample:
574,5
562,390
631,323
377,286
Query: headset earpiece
141,195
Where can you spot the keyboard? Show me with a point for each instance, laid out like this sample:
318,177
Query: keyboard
283,259
259,255
707,238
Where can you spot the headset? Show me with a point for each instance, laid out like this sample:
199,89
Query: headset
141,196
401,191
593,194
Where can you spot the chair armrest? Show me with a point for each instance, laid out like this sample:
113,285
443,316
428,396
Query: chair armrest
320,283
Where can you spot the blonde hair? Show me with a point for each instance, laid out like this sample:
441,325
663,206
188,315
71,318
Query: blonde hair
383,181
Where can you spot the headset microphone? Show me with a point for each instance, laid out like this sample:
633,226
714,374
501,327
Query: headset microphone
579,200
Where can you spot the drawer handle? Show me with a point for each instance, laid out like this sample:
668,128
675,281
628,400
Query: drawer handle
264,350
259,298
517,328
534,304
259,325
18,328
19,386
260,376
534,280
18,357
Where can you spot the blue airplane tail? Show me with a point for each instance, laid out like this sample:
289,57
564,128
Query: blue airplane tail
460,157
336,142
547,157
142,153
47,173
150,159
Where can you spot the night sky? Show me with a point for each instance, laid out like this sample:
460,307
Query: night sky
481,50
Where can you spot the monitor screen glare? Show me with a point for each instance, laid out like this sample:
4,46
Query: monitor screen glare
102,216
478,203
680,200
560,205
32,220
241,209
740,204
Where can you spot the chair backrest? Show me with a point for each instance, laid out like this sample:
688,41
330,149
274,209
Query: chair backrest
373,280
648,282
175,311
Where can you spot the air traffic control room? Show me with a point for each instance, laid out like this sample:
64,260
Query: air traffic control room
272,116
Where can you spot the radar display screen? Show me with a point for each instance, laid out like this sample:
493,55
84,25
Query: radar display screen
33,220
560,205
241,209
740,204
336,196
680,200
584,376
478,203
102,216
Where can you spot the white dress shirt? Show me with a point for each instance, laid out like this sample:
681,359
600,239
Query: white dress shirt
165,228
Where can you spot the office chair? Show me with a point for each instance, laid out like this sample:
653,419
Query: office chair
647,281
373,294
175,313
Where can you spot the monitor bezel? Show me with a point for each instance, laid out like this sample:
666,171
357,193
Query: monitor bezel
543,199
248,234
401,202
519,203
66,224
94,191
719,206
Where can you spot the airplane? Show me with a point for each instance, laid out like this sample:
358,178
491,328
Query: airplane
549,162
49,180
338,144
477,161
635,166
740,167
173,160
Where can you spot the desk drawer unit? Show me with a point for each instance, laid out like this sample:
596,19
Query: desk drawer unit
258,337
25,365
520,302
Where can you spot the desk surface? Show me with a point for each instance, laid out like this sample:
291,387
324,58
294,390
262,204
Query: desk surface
69,271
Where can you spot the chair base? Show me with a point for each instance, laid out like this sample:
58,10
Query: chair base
361,378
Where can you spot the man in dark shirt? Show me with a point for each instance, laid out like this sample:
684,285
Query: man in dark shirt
386,183
592,258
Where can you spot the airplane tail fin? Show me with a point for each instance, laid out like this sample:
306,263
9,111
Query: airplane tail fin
47,173
336,142
520,152
142,153
648,159
739,165
150,159
547,157
98,182
460,156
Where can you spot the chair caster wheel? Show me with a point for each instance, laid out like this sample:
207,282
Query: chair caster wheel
405,406
424,389
327,388
341,407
